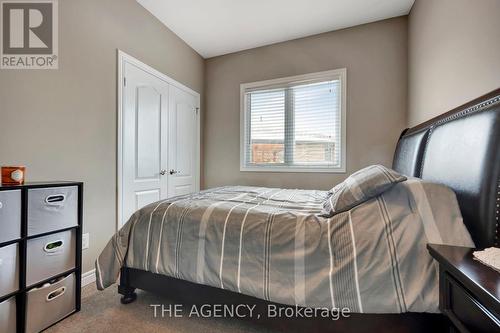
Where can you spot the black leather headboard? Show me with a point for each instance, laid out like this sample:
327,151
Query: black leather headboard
461,149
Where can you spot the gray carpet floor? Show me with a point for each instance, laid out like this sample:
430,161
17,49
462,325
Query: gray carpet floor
103,312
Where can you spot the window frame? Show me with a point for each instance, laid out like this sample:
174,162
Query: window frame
336,74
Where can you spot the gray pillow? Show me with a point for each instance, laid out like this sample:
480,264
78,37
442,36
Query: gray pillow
359,187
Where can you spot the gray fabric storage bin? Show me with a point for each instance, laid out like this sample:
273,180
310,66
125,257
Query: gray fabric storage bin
9,269
10,215
42,261
50,303
8,316
51,209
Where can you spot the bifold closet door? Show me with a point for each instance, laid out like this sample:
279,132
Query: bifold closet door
159,138
144,139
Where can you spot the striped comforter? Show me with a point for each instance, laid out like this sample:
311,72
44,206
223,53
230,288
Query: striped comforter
272,244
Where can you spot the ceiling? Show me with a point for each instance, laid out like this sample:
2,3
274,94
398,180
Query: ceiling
216,27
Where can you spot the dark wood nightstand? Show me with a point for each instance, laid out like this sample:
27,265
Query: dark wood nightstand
469,292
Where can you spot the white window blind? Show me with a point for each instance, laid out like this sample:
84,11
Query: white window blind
294,125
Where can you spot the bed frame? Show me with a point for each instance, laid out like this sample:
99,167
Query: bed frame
460,149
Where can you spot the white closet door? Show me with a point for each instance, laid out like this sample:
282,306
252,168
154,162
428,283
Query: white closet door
144,139
183,142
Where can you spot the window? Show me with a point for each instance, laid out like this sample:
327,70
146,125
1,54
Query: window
294,124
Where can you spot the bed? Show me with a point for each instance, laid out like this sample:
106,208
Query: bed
262,246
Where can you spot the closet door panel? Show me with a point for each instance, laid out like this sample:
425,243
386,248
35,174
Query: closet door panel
183,142
144,137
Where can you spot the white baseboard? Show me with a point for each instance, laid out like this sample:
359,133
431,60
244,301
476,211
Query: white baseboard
88,278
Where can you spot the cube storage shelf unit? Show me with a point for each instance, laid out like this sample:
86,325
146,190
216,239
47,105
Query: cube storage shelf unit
40,254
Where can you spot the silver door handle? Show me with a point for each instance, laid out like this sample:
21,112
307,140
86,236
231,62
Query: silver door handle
163,172
173,172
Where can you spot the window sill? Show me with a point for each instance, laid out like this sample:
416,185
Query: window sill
293,169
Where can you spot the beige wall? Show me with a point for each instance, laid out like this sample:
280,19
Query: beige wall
454,54
375,56
61,123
